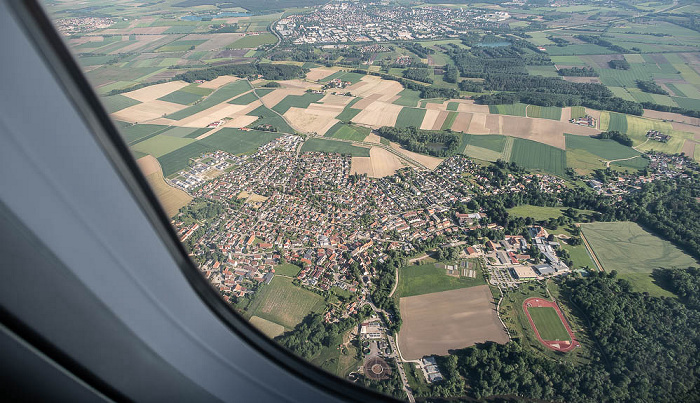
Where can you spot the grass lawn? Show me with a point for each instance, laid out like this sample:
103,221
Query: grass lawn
287,269
634,253
332,146
410,117
348,132
548,323
284,303
536,212
426,279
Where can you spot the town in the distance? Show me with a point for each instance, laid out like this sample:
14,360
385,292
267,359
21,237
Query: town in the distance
436,200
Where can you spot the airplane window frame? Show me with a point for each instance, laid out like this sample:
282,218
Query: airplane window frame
41,31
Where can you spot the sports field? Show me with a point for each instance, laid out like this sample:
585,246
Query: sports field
548,323
427,278
633,252
332,146
284,303
442,321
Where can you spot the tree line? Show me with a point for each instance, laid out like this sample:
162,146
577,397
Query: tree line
266,70
443,143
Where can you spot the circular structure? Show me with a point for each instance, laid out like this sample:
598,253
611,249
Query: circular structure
377,369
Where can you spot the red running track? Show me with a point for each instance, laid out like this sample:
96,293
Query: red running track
556,345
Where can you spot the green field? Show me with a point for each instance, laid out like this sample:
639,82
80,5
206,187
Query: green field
347,132
332,146
297,101
517,109
230,140
607,150
180,46
161,144
284,303
548,323
452,106
633,253
537,212
114,103
410,117
545,112
537,156
578,112
223,94
253,41
269,117
449,121
187,95
244,99
354,78
287,269
486,147
188,132
426,279
271,329
408,98
612,121
132,134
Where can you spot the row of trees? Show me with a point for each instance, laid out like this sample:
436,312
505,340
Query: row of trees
267,70
621,138
577,72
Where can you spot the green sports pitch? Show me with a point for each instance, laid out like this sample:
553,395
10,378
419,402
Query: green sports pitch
548,323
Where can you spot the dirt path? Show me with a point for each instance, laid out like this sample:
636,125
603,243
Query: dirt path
590,250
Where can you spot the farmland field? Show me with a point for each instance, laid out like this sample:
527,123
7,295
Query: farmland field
160,145
245,99
134,133
633,252
332,146
605,149
297,101
427,278
442,321
509,109
410,117
269,117
347,132
578,112
449,120
284,303
408,98
253,41
230,140
117,102
187,95
537,156
548,323
545,112
223,94
354,78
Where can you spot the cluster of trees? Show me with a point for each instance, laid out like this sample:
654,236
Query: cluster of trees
224,28
649,351
267,70
621,138
685,283
201,209
451,74
418,74
597,40
386,274
419,49
651,87
312,334
619,64
426,91
420,141
577,72
471,86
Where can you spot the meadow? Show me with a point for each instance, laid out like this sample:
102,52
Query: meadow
284,303
427,278
634,253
